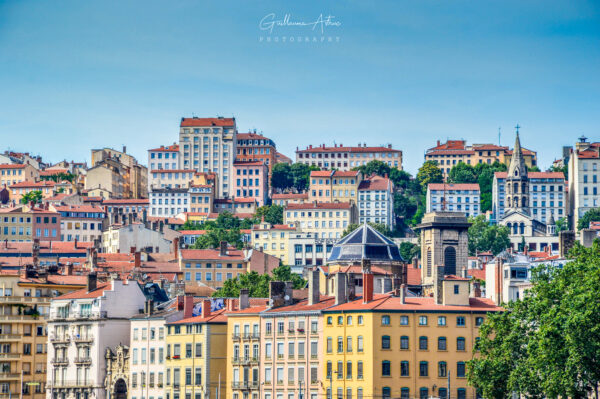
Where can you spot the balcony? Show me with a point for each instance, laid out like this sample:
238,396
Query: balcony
82,360
10,355
9,337
60,339
176,387
235,337
84,339
25,299
243,361
70,384
245,385
251,336
9,376
60,361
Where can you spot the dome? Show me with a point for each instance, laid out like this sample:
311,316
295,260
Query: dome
365,243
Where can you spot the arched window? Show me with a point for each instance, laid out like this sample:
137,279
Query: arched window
385,342
515,188
386,392
423,343
461,393
522,228
349,320
423,393
442,343
340,320
524,202
460,344
460,369
423,369
404,393
404,368
442,369
429,261
404,342
449,260
516,228
443,393
515,202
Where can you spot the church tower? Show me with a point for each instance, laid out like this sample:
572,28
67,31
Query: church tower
517,182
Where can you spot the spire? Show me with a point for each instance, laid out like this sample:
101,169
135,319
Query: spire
517,167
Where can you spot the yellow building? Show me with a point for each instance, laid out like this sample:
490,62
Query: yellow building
273,239
331,186
326,219
386,346
24,306
196,361
15,173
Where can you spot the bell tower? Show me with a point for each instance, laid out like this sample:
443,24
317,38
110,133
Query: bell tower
517,181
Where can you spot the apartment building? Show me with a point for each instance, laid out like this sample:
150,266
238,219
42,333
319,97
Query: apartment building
584,163
256,147
376,201
289,198
452,152
11,174
80,222
117,172
454,197
330,186
327,219
121,209
201,198
17,190
164,158
209,145
251,180
273,239
121,238
547,196
147,351
169,201
82,325
394,346
23,223
25,301
345,158
307,249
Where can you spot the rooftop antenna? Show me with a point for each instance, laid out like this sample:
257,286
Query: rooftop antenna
499,134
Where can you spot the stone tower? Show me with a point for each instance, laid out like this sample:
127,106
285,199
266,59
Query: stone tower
444,247
517,182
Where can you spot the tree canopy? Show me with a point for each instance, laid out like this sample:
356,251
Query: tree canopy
429,173
408,250
296,176
484,236
272,213
258,284
32,196
482,174
593,215
547,344
225,228
58,177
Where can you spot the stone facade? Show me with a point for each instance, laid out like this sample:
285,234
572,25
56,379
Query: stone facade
116,382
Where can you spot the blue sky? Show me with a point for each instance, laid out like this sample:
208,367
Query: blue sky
77,75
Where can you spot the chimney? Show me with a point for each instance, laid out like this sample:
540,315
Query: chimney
161,225
75,243
403,294
314,294
188,306
289,293
367,287
149,307
176,247
132,250
499,266
244,299
130,218
206,307
144,216
137,259
180,302
124,149
223,248
92,281
438,286
525,249
415,262
68,269
340,288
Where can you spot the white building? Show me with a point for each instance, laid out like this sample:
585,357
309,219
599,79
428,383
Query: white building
376,201
584,164
209,145
454,197
82,325
547,192
147,351
120,239
345,158
169,201
307,249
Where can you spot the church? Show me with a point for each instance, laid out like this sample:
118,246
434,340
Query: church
523,227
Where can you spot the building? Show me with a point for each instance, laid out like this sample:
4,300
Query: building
376,201
24,223
336,185
25,304
240,207
307,249
147,350
11,174
82,326
327,219
12,157
17,190
209,145
280,158
289,198
452,152
169,201
80,222
345,158
251,180
256,147
273,239
117,172
164,158
201,198
548,192
454,197
584,164
121,238
118,210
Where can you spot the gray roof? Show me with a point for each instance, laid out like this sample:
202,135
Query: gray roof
365,243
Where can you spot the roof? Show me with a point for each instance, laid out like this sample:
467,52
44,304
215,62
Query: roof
489,147
319,205
132,201
78,208
479,274
52,172
388,302
212,254
274,227
248,163
341,148
453,186
303,306
452,277
204,122
83,293
375,183
535,175
214,317
449,152
290,196
169,148
413,276
365,243
251,136
12,166
191,232
356,269
37,184
450,145
334,173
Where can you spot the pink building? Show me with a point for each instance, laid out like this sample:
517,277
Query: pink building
250,180
45,225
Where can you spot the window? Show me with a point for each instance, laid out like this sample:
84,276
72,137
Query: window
403,320
460,321
386,393
443,393
329,320
441,320
385,342
404,368
340,344
423,393
460,344
441,343
359,343
423,369
386,368
359,370
349,370
422,320
442,369
423,343
385,320
404,393
360,320
329,345
461,393
348,344
478,321
404,342
460,369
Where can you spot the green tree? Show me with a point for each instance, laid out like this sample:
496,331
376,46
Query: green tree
301,176
564,169
408,250
533,168
58,177
462,173
258,284
593,215
32,196
486,237
401,178
429,173
281,176
284,273
272,213
213,237
374,167
562,224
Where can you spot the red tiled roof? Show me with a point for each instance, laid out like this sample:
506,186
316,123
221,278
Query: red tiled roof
12,166
453,186
524,151
38,184
477,273
535,175
248,163
169,148
78,208
450,152
52,172
251,309
489,147
387,302
375,183
303,306
588,154
212,254
83,293
205,122
290,196
450,145
319,205
251,136
452,277
331,173
413,276
215,317
359,270
192,232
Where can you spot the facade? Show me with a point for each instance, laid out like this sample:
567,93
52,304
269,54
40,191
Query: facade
17,190
464,198
82,325
307,249
330,186
548,192
256,147
273,239
169,201
80,222
584,162
164,158
242,207
15,173
209,145
452,152
345,158
251,180
376,201
172,178
22,223
201,198
327,219
289,198
212,267
109,164
118,210
120,239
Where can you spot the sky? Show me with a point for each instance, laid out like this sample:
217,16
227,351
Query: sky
77,75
